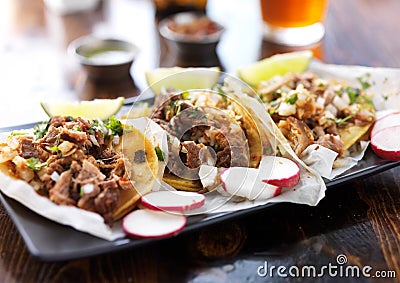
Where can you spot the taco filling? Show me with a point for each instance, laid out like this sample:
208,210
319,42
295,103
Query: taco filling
311,110
78,162
208,129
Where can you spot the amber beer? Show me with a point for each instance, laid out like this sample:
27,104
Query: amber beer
294,14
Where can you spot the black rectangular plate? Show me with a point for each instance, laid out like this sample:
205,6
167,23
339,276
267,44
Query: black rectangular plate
42,236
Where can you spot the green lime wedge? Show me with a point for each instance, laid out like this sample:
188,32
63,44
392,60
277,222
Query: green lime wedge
182,78
278,64
98,108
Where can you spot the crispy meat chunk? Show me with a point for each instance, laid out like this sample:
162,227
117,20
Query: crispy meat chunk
60,192
193,150
332,142
106,202
74,136
52,136
87,200
297,132
89,173
28,148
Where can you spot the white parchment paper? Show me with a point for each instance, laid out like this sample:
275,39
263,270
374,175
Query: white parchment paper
79,219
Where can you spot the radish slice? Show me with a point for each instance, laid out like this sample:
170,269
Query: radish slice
384,113
146,223
173,200
279,171
245,182
386,143
390,120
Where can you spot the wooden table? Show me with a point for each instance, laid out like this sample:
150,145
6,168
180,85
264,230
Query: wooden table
359,220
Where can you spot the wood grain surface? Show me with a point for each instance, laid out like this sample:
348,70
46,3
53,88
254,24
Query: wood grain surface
359,220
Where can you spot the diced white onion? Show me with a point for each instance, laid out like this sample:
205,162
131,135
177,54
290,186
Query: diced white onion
88,188
286,109
320,82
332,109
345,97
65,147
320,102
339,103
55,176
301,96
116,140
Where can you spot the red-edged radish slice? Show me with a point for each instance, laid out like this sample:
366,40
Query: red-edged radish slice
245,182
147,223
173,200
279,171
390,120
386,143
382,114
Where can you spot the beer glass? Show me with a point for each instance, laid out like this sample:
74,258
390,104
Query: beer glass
293,22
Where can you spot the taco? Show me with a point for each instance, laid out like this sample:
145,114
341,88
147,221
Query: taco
102,167
207,127
311,110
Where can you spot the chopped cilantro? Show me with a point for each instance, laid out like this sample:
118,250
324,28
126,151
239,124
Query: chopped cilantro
221,93
292,98
174,107
262,98
367,100
353,93
363,81
94,125
40,130
159,153
277,94
53,148
342,121
114,125
18,133
33,163
81,191
77,128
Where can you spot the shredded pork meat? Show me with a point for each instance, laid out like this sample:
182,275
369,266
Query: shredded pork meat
72,162
206,135
309,109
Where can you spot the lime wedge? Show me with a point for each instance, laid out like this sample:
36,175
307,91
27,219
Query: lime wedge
278,64
182,78
98,108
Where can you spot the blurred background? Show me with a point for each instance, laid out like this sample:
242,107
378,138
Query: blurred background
36,66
